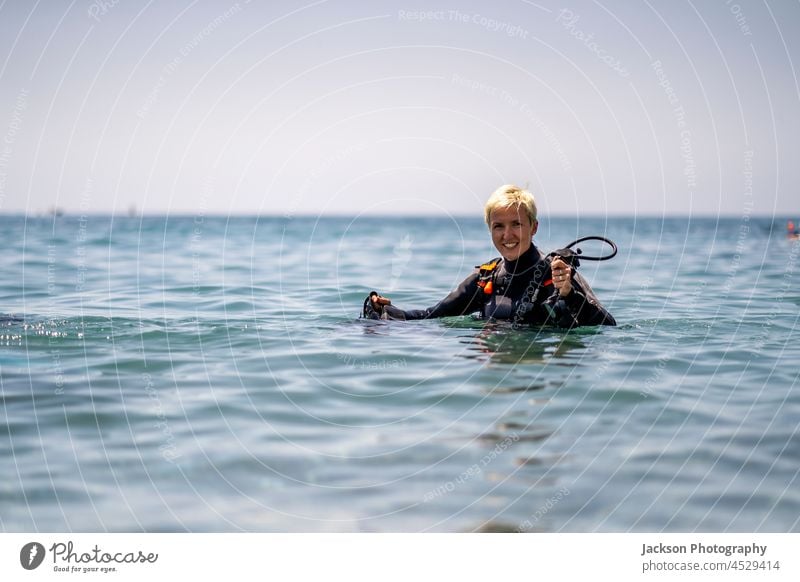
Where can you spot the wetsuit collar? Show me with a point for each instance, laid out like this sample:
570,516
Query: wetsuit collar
524,263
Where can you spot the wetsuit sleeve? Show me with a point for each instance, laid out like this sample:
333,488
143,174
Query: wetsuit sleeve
581,307
467,298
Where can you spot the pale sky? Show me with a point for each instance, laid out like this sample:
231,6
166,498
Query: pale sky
343,107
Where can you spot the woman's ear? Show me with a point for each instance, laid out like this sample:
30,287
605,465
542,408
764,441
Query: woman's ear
535,227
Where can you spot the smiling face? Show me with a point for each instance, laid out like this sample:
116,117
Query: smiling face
512,231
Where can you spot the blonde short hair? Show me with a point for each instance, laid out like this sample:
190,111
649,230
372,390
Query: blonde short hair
509,196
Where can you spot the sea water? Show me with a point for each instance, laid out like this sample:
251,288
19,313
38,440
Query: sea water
198,373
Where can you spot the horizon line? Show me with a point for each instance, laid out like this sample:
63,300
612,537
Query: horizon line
290,215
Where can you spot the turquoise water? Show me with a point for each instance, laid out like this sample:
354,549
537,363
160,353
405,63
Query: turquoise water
210,374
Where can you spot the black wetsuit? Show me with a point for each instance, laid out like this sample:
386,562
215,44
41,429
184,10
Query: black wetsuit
510,281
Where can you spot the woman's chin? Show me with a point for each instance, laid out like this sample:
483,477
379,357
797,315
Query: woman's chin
511,254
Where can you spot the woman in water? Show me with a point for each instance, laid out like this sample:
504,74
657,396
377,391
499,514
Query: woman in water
521,285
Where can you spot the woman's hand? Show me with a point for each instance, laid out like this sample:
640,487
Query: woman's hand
373,306
562,276
378,301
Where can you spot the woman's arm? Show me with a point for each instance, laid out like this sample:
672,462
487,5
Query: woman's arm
580,307
466,298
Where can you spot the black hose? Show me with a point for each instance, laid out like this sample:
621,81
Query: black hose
590,258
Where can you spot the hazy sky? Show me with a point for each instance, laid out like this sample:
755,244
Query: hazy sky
399,107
